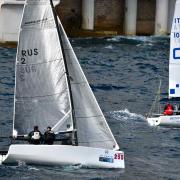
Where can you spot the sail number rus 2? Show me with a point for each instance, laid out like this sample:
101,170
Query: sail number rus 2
28,68
28,53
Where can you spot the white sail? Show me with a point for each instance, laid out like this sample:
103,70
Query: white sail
41,89
92,128
174,62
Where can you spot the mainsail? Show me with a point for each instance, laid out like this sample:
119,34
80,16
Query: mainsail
42,93
174,62
92,128
41,89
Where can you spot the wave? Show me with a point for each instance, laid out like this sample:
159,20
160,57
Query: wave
124,115
127,118
138,40
109,47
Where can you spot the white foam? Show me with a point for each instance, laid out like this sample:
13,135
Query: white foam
109,47
125,115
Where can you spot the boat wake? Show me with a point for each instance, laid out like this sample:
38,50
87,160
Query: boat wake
124,115
124,119
72,167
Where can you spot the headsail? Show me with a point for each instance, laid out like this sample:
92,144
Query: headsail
41,92
92,128
174,62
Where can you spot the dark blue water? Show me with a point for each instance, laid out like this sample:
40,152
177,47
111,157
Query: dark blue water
124,75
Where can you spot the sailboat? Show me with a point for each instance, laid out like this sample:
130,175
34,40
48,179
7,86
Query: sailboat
52,90
174,76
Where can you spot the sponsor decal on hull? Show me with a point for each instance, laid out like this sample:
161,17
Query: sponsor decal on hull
175,118
109,158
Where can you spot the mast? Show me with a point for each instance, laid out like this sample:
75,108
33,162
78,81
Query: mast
68,79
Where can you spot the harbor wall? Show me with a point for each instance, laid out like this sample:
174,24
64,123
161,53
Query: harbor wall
96,17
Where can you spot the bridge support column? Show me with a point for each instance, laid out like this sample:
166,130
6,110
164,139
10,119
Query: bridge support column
88,14
130,17
161,20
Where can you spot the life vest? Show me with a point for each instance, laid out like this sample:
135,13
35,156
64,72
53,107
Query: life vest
168,110
36,135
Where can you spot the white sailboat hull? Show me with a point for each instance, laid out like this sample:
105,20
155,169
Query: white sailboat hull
64,155
171,121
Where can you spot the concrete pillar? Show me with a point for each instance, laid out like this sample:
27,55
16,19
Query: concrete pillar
171,14
161,20
130,17
88,14
10,18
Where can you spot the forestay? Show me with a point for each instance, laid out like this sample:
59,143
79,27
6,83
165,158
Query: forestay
174,63
41,89
92,128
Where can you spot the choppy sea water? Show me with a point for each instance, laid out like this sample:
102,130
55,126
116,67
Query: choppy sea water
124,74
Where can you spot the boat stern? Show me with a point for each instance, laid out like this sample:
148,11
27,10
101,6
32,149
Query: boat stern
153,121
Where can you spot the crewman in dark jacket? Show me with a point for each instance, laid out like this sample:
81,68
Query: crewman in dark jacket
49,136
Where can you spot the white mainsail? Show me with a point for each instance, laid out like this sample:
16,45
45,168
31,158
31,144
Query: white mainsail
42,94
41,89
92,128
174,62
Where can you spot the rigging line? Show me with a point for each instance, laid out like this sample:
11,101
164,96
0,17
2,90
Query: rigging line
61,120
40,63
66,67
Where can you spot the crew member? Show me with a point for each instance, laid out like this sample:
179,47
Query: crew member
49,136
168,109
35,136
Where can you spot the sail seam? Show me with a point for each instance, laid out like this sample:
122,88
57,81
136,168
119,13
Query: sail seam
35,3
40,96
29,28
